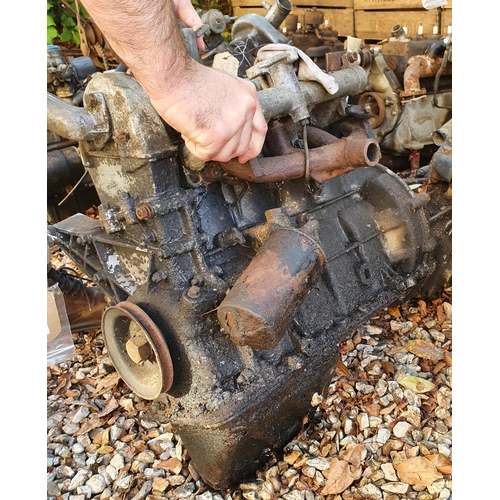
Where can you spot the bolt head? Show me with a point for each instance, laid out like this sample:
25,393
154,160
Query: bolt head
138,349
193,292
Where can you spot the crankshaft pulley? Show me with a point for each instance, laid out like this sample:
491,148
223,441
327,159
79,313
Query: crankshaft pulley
138,350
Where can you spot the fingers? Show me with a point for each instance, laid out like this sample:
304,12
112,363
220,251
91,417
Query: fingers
258,136
188,15
245,144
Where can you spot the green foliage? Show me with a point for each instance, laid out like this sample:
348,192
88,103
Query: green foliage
61,21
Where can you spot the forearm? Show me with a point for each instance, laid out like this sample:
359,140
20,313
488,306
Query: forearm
147,38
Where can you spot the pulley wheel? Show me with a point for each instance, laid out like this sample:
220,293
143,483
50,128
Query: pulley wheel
138,350
377,105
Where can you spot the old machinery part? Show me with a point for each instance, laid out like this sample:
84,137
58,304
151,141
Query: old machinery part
262,303
440,165
69,187
66,78
403,73
138,349
231,289
277,12
377,107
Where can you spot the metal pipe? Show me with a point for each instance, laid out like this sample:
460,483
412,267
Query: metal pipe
64,167
279,101
443,134
72,122
278,12
419,66
325,162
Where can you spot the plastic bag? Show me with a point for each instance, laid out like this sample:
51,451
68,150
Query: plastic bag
60,345
433,4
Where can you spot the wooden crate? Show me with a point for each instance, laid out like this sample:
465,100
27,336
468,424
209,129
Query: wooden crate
377,25
340,19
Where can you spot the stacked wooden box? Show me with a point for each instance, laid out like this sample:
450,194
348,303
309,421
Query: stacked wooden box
339,13
370,20
374,19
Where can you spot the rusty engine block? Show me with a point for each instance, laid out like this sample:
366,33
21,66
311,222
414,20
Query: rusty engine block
232,286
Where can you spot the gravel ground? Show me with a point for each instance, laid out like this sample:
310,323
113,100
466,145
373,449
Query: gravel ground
383,431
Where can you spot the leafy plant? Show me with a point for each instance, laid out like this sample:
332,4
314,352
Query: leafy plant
61,21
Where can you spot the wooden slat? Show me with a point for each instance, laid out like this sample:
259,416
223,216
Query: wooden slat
446,20
377,25
331,4
387,4
241,11
297,3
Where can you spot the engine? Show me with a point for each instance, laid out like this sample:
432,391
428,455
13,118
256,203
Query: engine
231,286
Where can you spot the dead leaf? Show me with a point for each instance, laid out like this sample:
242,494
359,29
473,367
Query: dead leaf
416,384
442,463
394,311
418,471
422,307
127,404
342,369
103,450
373,409
63,383
106,384
112,405
339,477
353,454
388,367
425,350
92,423
440,313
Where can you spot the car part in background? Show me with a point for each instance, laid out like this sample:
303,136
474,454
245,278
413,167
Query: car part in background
410,95
66,79
315,37
232,285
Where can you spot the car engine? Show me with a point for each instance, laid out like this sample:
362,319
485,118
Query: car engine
232,285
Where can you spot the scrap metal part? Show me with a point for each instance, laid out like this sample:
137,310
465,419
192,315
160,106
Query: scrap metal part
229,297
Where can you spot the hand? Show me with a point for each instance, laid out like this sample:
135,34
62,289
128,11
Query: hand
217,114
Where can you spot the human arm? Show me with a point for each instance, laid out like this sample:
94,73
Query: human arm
217,114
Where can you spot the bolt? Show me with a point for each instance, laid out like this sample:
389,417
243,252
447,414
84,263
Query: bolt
138,349
159,276
352,57
83,239
143,212
149,237
193,292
